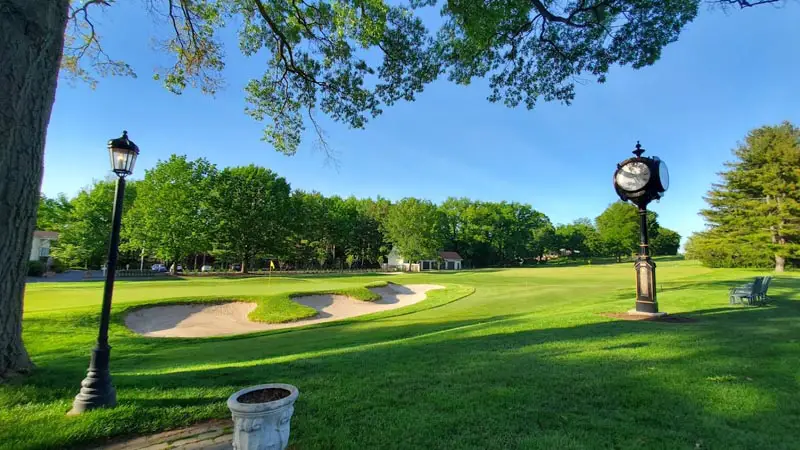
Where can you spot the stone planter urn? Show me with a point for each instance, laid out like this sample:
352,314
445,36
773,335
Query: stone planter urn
262,415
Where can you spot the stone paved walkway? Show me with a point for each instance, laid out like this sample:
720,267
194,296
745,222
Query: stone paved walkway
212,435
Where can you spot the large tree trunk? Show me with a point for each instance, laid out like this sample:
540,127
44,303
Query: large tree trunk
31,43
780,263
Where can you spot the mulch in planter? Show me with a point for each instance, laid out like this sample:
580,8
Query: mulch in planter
263,395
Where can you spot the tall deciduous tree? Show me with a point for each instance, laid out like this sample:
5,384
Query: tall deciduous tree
618,227
491,233
665,242
755,209
250,207
31,43
416,228
580,236
85,235
171,217
53,212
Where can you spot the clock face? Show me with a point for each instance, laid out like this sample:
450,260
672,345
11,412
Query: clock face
633,176
663,174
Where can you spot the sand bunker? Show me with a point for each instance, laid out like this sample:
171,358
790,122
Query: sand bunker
231,318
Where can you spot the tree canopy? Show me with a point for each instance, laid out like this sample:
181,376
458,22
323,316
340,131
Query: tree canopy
249,207
416,227
85,223
351,59
53,212
753,213
184,210
618,232
580,237
171,218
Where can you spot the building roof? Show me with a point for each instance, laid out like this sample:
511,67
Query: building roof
46,235
450,255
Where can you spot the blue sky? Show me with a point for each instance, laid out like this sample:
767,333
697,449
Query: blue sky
729,72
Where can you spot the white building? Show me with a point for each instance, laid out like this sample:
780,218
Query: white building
451,260
40,246
446,261
395,261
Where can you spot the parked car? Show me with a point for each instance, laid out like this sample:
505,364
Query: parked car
206,268
158,268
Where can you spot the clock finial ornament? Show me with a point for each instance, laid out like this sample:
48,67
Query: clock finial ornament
639,150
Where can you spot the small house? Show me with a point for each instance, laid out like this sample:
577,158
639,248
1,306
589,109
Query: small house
446,261
395,261
451,260
40,245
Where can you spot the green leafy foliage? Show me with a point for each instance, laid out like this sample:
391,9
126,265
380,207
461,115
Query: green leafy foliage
717,250
35,268
581,238
85,225
416,227
618,227
58,266
494,233
316,63
665,242
331,231
53,212
536,49
171,218
250,212
349,59
248,215
754,211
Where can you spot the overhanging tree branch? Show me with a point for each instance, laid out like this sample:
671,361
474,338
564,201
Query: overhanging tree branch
748,4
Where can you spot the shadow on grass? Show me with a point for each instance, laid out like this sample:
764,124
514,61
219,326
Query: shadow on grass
604,261
541,388
721,286
156,279
728,380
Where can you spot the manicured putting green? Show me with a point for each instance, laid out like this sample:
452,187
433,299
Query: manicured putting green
526,361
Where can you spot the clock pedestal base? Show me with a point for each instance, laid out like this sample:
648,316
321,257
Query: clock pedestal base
646,285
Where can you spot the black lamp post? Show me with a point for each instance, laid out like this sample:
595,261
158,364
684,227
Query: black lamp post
641,180
97,391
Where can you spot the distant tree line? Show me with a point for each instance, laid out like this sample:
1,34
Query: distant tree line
190,212
753,213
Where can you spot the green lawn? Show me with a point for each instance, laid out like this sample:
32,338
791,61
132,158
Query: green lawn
525,361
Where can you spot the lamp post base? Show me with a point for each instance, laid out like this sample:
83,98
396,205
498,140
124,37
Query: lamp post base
97,391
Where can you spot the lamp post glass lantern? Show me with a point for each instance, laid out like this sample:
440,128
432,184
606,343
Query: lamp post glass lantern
641,180
97,391
123,153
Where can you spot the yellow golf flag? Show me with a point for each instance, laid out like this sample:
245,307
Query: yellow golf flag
271,265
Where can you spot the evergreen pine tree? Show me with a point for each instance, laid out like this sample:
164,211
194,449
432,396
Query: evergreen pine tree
754,212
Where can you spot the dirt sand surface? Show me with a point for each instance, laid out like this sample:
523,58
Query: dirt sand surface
231,318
